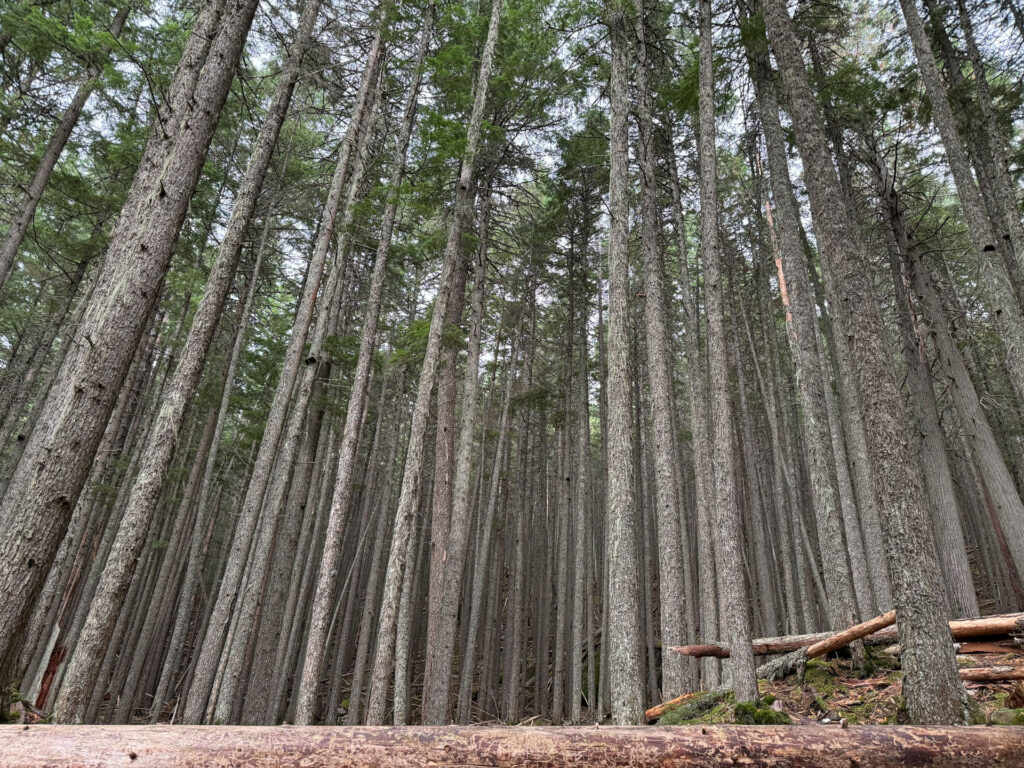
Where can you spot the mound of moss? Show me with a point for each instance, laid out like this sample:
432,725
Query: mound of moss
748,713
720,708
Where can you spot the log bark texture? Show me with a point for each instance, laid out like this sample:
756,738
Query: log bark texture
692,746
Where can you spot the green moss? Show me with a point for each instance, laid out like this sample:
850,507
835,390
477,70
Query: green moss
767,699
820,676
902,714
698,710
975,714
748,713
875,662
718,708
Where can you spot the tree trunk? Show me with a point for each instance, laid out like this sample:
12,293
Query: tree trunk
671,589
726,518
483,552
938,478
58,140
246,526
623,643
998,287
156,456
441,621
803,345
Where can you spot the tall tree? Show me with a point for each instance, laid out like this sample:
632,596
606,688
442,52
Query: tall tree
324,597
733,594
163,437
624,642
666,468
55,147
231,586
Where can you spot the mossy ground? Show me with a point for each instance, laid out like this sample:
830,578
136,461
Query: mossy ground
830,691
722,708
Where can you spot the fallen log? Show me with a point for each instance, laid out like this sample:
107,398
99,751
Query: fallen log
768,670
763,646
784,666
961,629
1001,647
993,674
852,634
660,709
718,651
692,746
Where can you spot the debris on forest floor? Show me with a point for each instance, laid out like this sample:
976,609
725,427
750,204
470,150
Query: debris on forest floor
830,692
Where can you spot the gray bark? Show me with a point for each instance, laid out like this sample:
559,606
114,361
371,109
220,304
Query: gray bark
671,588
483,551
623,641
998,287
803,344
247,523
725,518
938,479
156,457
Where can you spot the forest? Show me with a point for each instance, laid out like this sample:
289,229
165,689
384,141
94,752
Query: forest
494,362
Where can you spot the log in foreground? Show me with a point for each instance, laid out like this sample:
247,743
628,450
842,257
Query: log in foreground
691,746
989,626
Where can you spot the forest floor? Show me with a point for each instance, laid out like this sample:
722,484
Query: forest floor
832,692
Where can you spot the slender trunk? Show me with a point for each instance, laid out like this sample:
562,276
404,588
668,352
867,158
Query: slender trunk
671,589
1003,305
247,523
484,550
58,140
204,511
441,631
726,518
158,453
999,489
623,640
938,477
803,344
324,595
